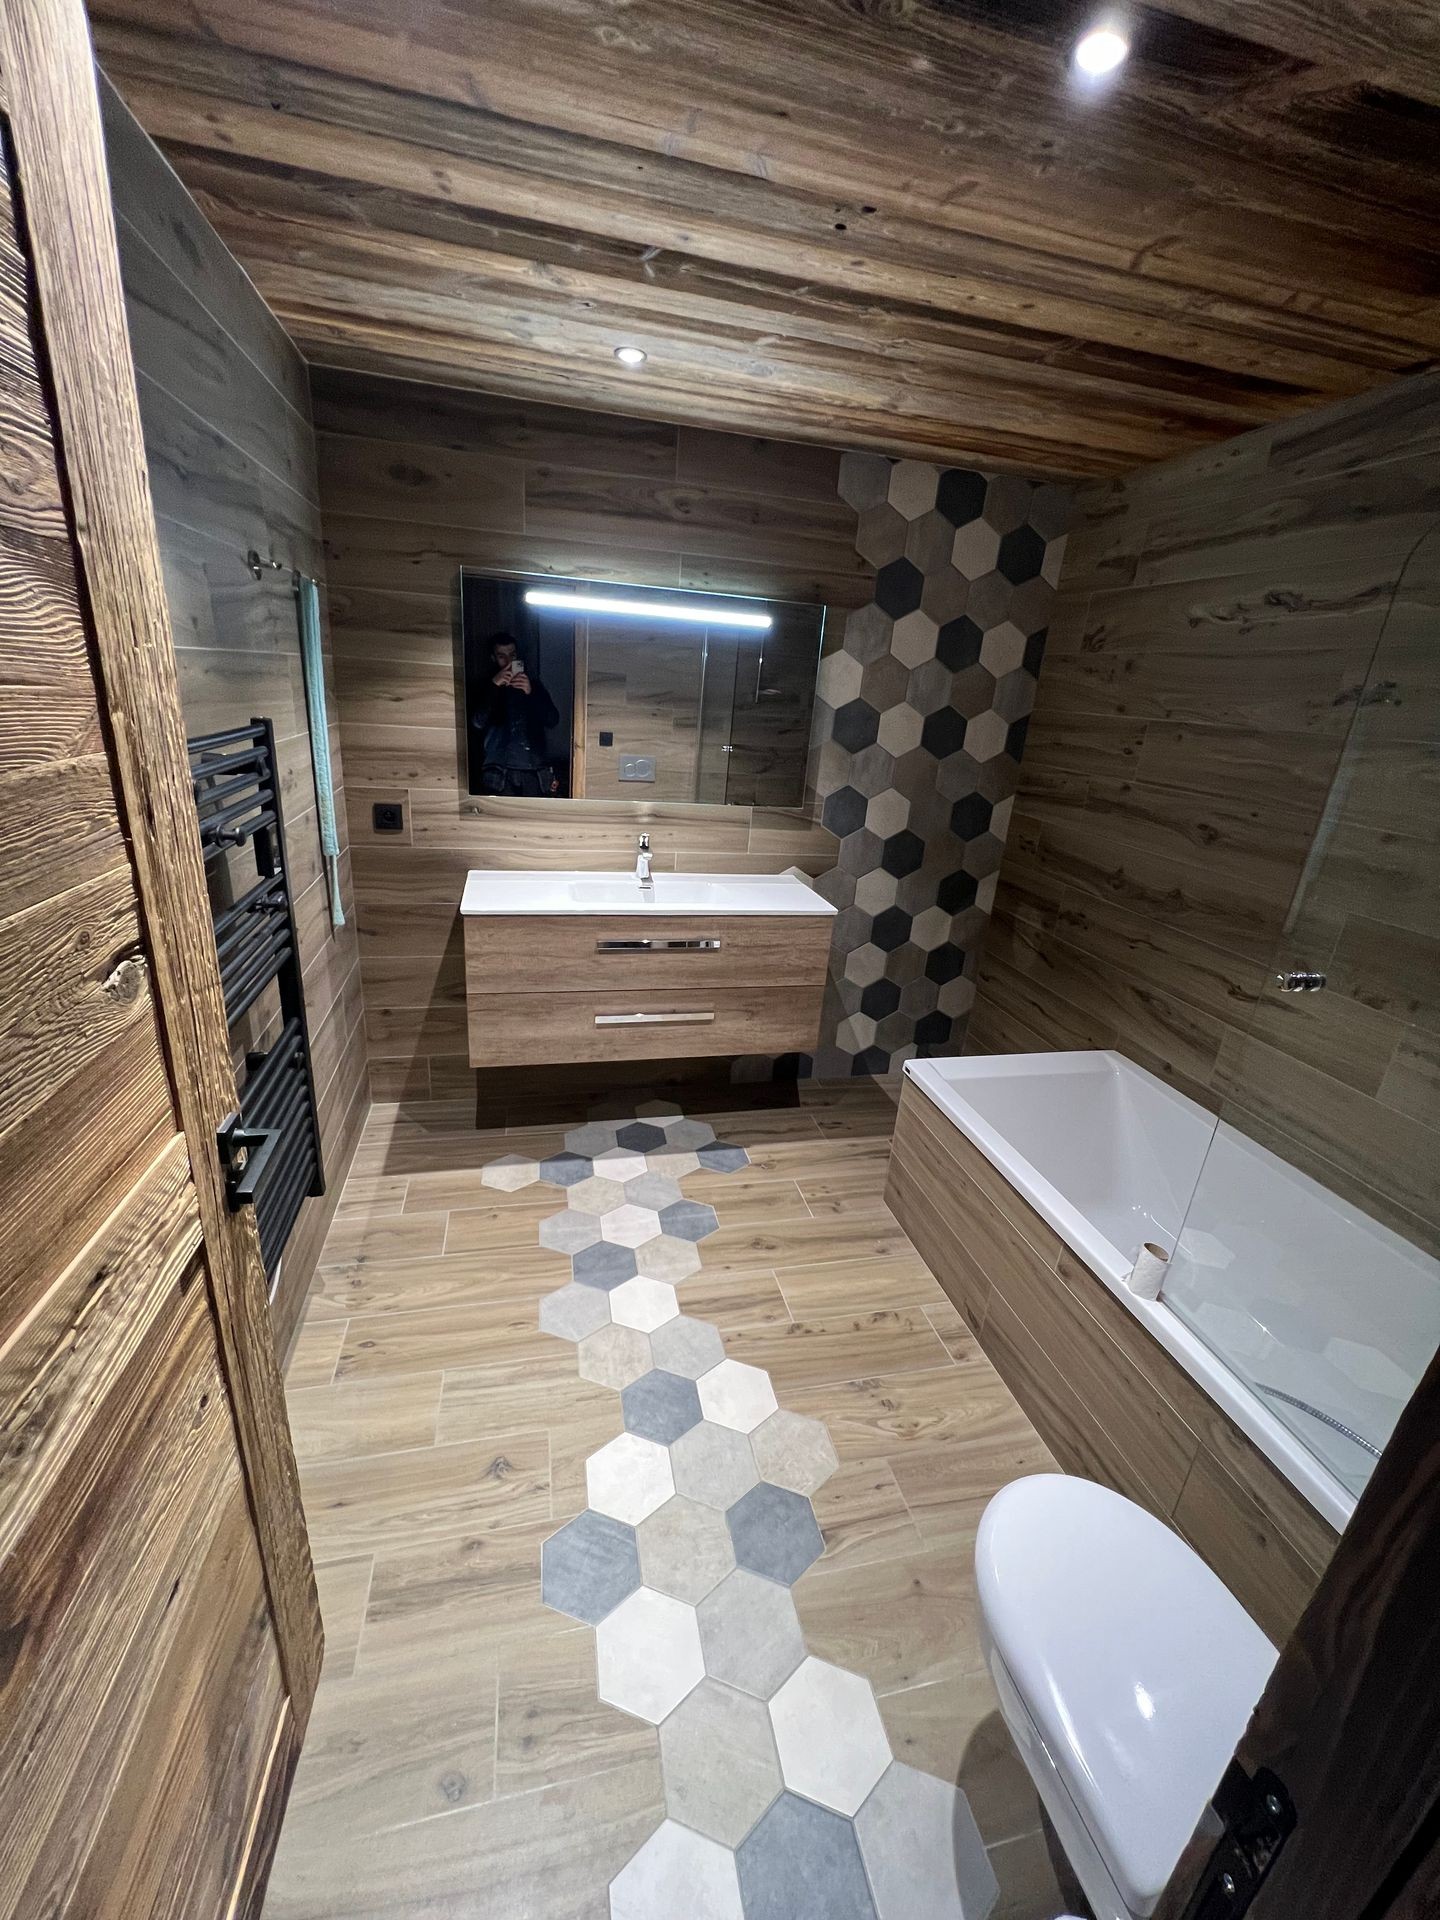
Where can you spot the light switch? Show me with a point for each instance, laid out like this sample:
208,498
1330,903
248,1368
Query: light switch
637,766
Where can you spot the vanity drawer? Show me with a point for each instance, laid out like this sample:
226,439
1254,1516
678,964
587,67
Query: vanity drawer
526,1029
594,953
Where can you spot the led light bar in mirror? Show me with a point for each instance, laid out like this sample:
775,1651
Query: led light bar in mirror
695,612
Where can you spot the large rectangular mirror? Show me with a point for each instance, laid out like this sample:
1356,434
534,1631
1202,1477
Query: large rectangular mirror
600,691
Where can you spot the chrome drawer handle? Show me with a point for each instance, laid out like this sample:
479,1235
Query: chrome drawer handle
653,1019
702,945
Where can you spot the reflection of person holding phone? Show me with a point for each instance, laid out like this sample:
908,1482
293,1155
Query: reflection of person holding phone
511,720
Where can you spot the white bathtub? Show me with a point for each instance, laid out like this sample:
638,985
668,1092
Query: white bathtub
1272,1277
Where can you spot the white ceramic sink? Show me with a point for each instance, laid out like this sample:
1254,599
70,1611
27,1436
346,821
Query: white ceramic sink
489,891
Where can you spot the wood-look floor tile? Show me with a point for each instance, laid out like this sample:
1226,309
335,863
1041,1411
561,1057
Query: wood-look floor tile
863,1515
370,1196
387,1236
803,1243
464,1187
579,1416
548,1855
839,1347
526,1273
859,1286
415,1151
730,1300
900,1622
370,1416
862,1191
947,1488
315,1353
1030,1888
482,1589
879,1415
479,1229
553,1725
814,1158
953,1728
395,1500
502,1336
960,1342
740,1200
344,1589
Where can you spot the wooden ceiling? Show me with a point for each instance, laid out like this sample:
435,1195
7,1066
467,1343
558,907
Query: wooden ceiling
873,223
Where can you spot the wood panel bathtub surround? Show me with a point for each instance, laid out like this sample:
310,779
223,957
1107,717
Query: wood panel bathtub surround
230,454
1231,628
1106,1397
162,1640
1242,229
418,481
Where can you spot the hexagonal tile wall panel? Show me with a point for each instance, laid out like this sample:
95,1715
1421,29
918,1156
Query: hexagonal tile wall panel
782,1797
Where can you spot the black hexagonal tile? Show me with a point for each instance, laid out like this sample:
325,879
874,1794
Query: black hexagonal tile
970,816
933,1030
640,1137
898,588
943,733
1022,554
945,963
960,495
902,853
879,998
957,644
844,811
956,892
1015,737
891,929
856,725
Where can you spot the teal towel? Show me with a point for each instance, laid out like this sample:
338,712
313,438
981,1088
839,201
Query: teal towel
313,661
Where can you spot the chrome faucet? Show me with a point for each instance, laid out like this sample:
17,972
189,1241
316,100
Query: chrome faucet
642,861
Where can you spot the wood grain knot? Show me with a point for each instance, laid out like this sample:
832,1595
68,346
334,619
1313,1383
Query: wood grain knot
126,981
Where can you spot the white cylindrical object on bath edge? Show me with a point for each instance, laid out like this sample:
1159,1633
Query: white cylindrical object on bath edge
1147,1276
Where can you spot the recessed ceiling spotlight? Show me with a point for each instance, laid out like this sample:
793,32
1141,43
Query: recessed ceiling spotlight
631,356
1101,51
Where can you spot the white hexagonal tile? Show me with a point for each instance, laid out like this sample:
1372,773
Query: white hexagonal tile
668,1258
876,890
855,1033
615,1356
510,1172
793,1451
647,1654
736,1395
595,1195
930,929
985,735
629,1226
1002,649
567,1232
957,996
677,1871
912,487
838,678
923,1852
830,1736
864,964
900,729
574,1312
594,1137
975,550
713,1464
642,1303
1054,559
629,1477
913,640
619,1163
887,812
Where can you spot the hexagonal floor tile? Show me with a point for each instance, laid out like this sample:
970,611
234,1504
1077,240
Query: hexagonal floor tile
652,1190
688,1347
604,1266
750,1633
629,1477
661,1110
573,1312
685,1550
794,1451
594,1137
922,1850
688,1220
719,1157
648,1654
564,1169
831,1739
568,1232
595,1195
736,1395
666,1258
510,1172
775,1533
691,1134
713,1464
717,1755
639,1136
589,1566
629,1226
615,1356
804,1860
677,1871
616,1164
674,1162
661,1406
643,1303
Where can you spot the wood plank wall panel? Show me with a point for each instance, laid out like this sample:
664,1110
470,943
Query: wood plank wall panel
415,482
1230,626
231,457
1109,1401
895,226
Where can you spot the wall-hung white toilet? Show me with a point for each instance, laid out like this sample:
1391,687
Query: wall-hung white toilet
1126,1673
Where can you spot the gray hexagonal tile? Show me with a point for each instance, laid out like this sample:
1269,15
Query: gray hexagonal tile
654,1190
717,1756
750,1633
564,1169
667,1258
614,1357
686,1132
775,1533
661,1406
794,1451
569,1232
595,1195
689,1220
603,1266
929,541
713,1464
685,1549
867,633
687,1347
510,1172
589,1566
912,487
838,678
590,1139
913,639
880,535
639,1136
988,601
721,1157
975,548
801,1859
1007,501
573,1312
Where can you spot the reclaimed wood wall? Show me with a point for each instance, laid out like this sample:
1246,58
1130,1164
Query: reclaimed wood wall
231,456
415,482
1231,627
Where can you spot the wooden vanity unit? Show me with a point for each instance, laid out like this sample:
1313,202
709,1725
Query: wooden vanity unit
562,967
